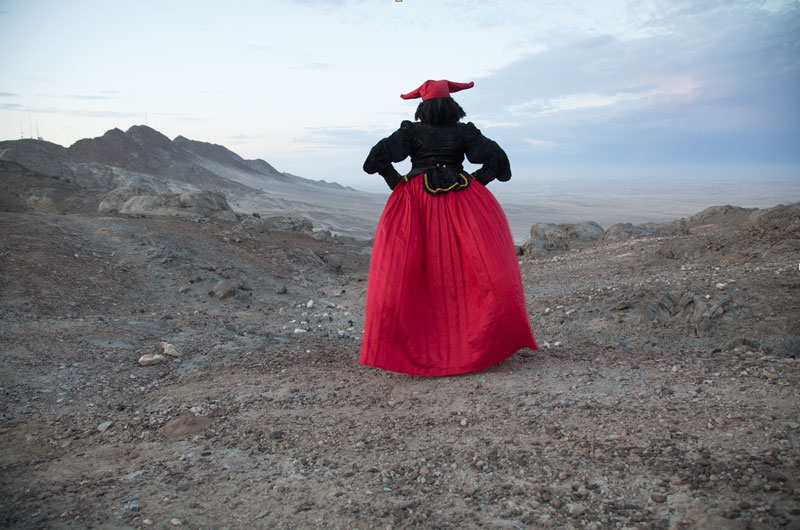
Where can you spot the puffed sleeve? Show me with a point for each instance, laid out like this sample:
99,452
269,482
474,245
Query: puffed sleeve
394,148
481,150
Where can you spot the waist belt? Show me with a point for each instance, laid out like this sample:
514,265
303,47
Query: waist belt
441,179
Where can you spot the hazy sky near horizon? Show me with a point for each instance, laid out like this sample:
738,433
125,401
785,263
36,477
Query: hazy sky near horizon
582,89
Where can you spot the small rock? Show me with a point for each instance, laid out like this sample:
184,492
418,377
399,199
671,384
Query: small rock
334,262
149,359
147,522
659,498
281,290
185,425
774,476
720,286
469,489
223,289
310,304
183,290
793,425
576,509
175,522
169,349
103,427
300,330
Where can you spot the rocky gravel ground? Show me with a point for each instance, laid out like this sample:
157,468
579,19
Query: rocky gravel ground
664,395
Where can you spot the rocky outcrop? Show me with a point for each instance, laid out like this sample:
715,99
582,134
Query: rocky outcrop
291,224
114,201
784,218
661,306
780,218
549,236
213,201
139,200
625,231
152,204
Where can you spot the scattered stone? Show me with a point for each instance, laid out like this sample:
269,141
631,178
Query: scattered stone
149,359
103,427
282,290
323,235
175,522
169,349
185,425
334,262
576,509
310,304
224,289
469,489
658,497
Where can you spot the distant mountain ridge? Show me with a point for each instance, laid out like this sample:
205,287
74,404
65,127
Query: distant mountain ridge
143,158
144,151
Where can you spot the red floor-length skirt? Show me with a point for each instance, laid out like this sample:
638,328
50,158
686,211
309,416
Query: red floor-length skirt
444,293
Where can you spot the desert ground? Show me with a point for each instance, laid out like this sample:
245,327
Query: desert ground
664,394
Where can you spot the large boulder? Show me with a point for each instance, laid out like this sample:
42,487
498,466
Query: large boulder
549,236
114,200
586,231
289,224
250,228
204,200
141,204
137,200
625,231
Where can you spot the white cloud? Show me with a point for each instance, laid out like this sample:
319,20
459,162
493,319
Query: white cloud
541,106
662,90
538,142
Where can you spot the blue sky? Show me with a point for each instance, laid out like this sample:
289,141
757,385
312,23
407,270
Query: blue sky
571,89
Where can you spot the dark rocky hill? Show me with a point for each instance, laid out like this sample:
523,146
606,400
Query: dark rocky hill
145,151
144,158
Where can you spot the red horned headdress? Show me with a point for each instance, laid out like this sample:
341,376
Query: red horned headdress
436,89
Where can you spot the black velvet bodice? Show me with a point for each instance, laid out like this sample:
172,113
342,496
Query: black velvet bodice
438,153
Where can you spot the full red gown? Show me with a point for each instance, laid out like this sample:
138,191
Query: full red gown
444,294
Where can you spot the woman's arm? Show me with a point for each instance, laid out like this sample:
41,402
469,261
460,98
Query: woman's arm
481,150
394,148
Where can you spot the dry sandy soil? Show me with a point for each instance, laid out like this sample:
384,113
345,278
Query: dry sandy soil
665,394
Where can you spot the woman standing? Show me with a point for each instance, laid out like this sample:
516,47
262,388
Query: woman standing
444,294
